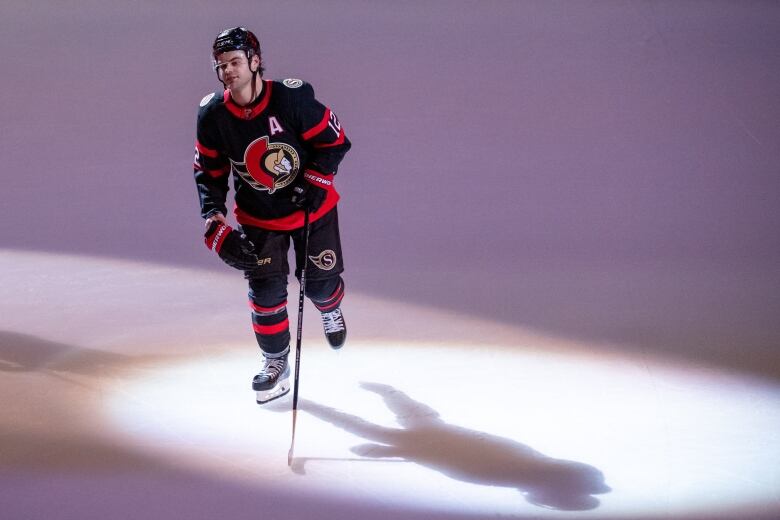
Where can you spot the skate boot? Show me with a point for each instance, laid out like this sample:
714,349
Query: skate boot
273,380
335,328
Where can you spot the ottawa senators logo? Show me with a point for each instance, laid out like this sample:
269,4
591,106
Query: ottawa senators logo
268,166
325,260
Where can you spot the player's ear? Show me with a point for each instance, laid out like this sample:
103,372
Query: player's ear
254,63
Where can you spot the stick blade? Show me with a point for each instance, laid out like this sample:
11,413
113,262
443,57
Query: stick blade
292,437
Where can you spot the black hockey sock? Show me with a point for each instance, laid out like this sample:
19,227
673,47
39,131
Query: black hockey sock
331,300
271,326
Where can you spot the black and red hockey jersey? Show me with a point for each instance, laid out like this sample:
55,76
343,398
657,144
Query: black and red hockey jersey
267,147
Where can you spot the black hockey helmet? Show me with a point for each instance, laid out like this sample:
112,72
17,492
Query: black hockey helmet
236,39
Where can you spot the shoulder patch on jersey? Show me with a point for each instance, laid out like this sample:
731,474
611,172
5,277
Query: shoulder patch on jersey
206,99
292,82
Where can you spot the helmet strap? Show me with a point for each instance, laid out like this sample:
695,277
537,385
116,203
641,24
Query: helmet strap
255,73
254,87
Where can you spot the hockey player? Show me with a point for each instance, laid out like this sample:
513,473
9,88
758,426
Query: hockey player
283,148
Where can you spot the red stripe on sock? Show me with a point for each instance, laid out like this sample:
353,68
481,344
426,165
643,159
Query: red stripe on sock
272,329
329,306
337,293
267,310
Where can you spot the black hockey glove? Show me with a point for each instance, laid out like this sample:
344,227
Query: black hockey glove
232,247
312,191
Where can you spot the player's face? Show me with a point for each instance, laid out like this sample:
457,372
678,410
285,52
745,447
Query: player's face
233,69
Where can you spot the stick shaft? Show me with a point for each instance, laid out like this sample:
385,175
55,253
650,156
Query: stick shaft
299,332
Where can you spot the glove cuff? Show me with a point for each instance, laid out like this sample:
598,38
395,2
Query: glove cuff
321,180
216,235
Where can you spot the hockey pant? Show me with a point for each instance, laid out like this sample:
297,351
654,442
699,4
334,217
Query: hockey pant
268,283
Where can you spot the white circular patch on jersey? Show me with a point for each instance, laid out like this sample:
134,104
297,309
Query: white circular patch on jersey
206,99
292,82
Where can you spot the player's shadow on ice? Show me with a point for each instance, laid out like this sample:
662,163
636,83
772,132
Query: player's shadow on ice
464,454
26,353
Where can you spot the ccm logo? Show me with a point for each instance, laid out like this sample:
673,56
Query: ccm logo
317,179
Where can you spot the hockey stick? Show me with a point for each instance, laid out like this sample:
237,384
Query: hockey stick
300,330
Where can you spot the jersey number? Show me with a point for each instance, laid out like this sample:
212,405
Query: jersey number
333,122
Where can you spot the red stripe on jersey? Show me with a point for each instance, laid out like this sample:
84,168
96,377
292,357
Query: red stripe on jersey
272,329
249,112
208,152
290,222
319,127
334,143
267,310
217,173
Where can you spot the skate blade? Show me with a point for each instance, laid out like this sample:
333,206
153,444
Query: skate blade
263,396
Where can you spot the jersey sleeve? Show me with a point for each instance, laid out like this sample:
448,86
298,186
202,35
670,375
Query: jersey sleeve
320,131
211,166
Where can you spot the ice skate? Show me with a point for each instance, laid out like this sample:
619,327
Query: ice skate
273,381
335,328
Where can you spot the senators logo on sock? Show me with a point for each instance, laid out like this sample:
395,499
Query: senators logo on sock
325,260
